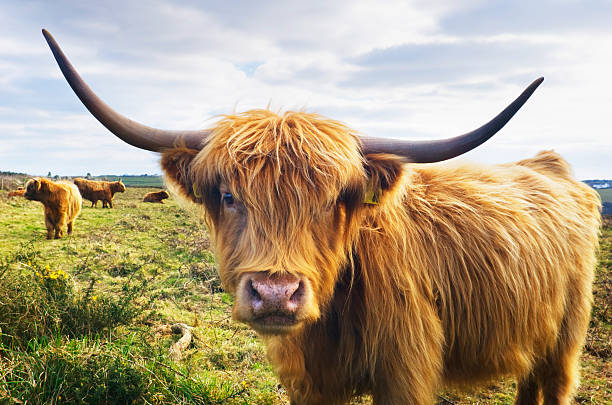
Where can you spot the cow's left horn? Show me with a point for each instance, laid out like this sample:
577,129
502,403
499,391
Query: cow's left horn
435,151
132,132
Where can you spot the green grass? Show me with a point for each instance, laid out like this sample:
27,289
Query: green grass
83,318
87,309
135,181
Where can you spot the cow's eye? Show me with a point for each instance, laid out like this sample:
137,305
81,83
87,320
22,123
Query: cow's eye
228,198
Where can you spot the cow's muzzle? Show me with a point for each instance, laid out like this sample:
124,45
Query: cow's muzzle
272,303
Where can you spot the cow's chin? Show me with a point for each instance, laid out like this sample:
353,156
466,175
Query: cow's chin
276,325
275,304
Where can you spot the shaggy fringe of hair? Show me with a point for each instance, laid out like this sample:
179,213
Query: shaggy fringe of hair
290,168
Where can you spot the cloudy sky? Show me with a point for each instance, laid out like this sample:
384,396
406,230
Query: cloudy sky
403,69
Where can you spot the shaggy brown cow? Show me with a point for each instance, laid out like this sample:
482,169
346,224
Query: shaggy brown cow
365,273
156,196
19,192
94,190
62,202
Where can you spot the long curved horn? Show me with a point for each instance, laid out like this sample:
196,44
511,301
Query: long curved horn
132,132
442,149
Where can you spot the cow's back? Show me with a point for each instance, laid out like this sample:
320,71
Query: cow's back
71,199
503,252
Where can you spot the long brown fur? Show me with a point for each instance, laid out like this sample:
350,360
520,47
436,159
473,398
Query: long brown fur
62,204
156,196
459,274
94,190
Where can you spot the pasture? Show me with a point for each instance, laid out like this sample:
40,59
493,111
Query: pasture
85,319
135,181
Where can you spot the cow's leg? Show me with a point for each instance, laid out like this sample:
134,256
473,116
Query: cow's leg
50,227
59,226
409,376
110,203
559,371
317,402
69,230
559,375
94,203
389,394
528,392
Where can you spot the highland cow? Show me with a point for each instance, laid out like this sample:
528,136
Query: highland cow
62,202
156,196
19,192
94,190
367,271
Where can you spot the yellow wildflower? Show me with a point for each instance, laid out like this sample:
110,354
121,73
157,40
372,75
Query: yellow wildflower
95,297
53,275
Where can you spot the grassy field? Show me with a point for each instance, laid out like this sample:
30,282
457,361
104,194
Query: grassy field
10,181
86,319
135,181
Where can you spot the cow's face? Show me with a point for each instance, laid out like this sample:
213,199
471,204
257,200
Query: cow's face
118,186
33,188
281,195
281,267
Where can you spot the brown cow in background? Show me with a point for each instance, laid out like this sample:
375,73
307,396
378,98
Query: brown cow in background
156,196
62,202
19,192
367,271
94,190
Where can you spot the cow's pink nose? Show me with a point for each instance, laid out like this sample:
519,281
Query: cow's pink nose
271,295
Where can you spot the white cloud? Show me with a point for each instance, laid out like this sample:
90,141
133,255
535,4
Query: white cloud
403,69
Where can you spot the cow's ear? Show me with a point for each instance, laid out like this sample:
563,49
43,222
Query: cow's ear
384,173
176,164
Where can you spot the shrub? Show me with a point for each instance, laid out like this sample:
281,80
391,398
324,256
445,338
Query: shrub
37,301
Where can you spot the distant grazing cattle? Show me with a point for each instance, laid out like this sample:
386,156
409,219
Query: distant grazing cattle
156,196
94,190
367,271
61,200
19,192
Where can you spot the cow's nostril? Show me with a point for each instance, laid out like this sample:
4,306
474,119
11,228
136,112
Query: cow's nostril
253,292
298,293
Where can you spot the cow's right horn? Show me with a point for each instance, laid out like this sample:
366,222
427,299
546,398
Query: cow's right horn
132,132
442,149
